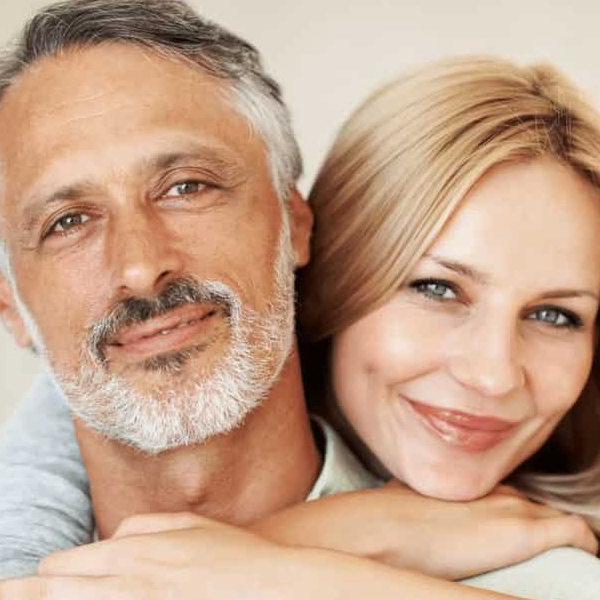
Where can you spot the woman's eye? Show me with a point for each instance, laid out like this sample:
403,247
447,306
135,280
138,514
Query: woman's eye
185,188
68,222
438,290
556,317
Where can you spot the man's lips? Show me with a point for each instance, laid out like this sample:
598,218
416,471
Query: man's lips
473,433
168,333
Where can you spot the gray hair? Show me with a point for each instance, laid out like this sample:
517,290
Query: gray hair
172,29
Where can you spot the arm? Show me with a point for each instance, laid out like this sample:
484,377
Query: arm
186,550
44,502
401,528
212,560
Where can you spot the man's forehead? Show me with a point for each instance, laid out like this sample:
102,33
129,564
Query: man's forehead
100,100
87,82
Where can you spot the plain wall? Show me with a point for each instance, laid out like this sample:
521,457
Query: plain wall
329,54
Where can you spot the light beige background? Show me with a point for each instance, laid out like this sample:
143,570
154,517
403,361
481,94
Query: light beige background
328,54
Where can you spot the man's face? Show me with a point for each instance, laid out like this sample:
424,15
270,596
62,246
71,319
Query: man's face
143,227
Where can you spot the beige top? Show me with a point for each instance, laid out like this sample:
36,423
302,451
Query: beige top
341,471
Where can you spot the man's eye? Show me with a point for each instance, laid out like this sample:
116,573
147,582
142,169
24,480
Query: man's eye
68,222
555,317
185,188
433,288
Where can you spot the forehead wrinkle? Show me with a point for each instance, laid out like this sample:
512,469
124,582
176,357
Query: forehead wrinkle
93,115
72,103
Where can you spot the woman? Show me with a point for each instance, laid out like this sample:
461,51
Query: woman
413,177
394,178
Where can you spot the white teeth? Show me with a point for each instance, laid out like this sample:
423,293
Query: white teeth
184,324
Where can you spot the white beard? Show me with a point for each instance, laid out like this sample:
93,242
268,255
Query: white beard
210,403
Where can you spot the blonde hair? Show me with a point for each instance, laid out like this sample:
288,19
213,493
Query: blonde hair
397,171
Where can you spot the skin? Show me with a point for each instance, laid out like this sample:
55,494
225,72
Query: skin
481,326
87,191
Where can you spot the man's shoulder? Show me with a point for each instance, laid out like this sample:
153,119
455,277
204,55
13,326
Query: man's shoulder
341,470
43,416
557,574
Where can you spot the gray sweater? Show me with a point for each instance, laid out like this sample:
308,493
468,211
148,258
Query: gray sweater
45,504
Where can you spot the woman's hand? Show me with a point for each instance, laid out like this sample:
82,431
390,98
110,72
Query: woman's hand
453,540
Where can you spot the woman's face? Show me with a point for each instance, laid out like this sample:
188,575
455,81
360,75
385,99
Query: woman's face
469,368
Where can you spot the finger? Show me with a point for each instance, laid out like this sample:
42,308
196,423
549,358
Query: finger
157,522
136,555
518,505
509,490
63,588
109,557
566,530
394,483
535,510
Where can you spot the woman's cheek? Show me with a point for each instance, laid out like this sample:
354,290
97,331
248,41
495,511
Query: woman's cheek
556,389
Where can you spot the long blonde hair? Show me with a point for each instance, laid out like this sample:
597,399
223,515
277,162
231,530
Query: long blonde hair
398,169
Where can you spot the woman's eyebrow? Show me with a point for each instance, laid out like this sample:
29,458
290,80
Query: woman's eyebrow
460,268
482,278
569,293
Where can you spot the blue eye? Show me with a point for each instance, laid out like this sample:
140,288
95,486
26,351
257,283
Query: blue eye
436,289
185,188
557,317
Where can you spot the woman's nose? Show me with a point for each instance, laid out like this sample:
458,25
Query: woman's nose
487,360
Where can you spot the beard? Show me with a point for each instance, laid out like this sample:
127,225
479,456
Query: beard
184,409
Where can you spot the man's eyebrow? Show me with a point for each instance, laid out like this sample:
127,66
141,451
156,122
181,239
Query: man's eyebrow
481,278
223,164
35,207
218,163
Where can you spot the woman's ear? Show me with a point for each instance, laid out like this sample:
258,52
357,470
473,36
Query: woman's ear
301,223
10,315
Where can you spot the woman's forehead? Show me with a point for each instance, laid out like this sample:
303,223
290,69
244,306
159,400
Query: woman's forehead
537,218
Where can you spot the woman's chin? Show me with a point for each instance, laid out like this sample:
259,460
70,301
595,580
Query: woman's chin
453,487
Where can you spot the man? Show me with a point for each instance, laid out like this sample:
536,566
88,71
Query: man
151,228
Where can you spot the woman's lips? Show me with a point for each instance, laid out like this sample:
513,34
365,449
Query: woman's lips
471,433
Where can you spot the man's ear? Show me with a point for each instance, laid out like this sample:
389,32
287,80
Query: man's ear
301,223
10,315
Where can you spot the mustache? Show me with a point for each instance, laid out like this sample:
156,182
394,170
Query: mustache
176,294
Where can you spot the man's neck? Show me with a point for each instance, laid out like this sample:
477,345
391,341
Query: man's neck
268,463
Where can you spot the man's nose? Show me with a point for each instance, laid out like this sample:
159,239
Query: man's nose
145,255
487,359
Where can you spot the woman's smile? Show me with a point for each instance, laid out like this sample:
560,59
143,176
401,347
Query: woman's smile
464,431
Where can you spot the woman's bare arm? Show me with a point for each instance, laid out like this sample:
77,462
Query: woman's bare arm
212,560
453,540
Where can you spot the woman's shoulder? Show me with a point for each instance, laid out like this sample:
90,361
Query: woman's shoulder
557,574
